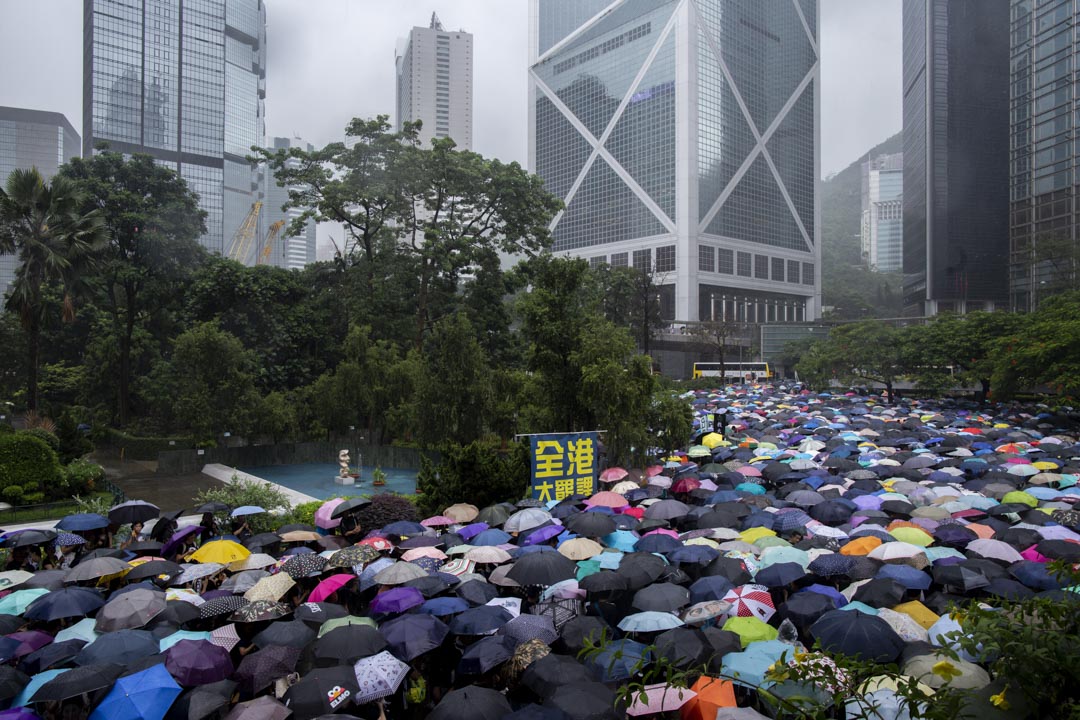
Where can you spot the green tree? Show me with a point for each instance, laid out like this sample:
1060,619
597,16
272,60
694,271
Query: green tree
670,420
960,350
478,473
1043,353
866,351
154,222
207,385
452,394
54,239
274,416
630,298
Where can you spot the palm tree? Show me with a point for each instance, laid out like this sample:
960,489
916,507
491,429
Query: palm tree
54,241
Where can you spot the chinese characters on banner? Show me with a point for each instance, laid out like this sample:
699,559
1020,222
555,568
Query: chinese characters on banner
563,464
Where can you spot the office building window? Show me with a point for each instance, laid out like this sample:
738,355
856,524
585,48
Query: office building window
706,258
725,261
761,267
665,259
744,264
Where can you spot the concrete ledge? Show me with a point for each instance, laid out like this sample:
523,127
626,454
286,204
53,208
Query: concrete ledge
225,474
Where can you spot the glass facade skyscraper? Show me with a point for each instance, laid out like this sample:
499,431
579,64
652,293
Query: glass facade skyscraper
289,252
683,137
1045,159
883,213
956,117
32,139
185,81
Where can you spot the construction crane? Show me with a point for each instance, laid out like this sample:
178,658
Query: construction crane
240,248
268,244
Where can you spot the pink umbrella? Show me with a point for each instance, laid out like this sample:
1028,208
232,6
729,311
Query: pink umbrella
654,470
322,515
329,586
613,474
1034,555
437,521
748,471
659,698
663,531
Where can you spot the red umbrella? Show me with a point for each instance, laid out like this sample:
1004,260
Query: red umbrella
686,485
329,586
751,601
378,543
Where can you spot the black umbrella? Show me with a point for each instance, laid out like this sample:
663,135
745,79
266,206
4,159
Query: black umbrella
857,634
120,647
477,592
153,569
322,691
211,507
471,703
584,627
780,574
12,682
68,602
591,524
77,681
294,633
542,568
486,654
714,587
412,635
430,585
661,597
641,569
684,647
959,578
347,644
224,605
10,623
202,701
316,614
551,672
804,608
349,506
603,581
731,568
880,593
722,642
1060,550
586,701
261,541
145,547
261,668
133,511
56,653
26,538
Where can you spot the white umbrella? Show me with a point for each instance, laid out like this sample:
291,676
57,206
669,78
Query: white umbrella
378,676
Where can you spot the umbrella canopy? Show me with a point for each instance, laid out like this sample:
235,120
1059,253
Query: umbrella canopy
131,610
471,703
198,662
133,511
145,695
322,691
378,676
856,634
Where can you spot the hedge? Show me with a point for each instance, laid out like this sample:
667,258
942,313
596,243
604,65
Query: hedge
28,467
145,448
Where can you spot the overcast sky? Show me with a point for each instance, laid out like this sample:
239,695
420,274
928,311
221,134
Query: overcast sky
331,60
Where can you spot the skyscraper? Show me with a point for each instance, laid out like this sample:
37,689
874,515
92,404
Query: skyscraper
182,80
1045,199
291,253
434,83
683,137
883,213
956,174
32,139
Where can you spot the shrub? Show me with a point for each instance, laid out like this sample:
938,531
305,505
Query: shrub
478,473
304,513
50,439
81,476
74,443
28,462
241,491
6,429
13,494
385,509
33,498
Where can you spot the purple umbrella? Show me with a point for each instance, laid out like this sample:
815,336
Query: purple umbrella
397,600
198,662
19,713
470,531
178,537
29,641
543,535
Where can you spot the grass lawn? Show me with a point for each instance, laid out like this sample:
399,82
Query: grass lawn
47,511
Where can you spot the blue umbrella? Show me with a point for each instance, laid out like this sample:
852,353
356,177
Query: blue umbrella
121,647
146,695
404,527
66,539
480,620
832,592
246,510
620,660
470,531
657,543
444,606
491,536
36,682
907,576
620,540
649,621
713,587
486,654
750,666
67,602
82,521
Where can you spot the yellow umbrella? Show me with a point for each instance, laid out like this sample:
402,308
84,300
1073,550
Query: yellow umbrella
270,588
914,536
343,621
714,440
919,613
703,541
754,534
220,551
1044,465
1018,496
580,549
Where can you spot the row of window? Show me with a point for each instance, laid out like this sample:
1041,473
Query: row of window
761,267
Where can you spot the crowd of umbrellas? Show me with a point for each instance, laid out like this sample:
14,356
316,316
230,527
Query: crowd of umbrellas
795,519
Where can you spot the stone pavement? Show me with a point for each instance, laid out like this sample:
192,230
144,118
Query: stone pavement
139,481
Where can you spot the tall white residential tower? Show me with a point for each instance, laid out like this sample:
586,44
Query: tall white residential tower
434,83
